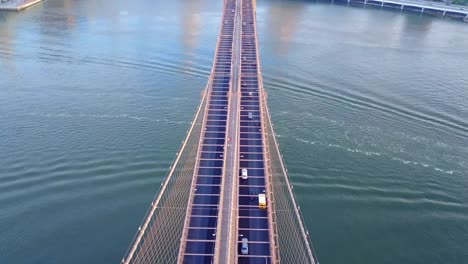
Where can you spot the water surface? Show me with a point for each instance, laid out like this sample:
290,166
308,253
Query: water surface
370,107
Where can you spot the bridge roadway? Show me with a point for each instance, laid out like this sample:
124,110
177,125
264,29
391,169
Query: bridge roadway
253,223
200,228
206,207
223,208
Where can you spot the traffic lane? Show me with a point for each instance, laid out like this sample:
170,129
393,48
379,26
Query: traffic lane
245,112
223,79
218,97
256,248
209,163
251,190
206,172
248,200
251,135
199,247
251,123
217,92
252,164
250,98
222,66
250,156
249,117
211,180
249,92
248,103
254,172
254,235
220,88
250,88
203,221
201,234
250,108
253,260
250,57
224,54
249,71
251,149
214,134
218,112
207,189
205,199
216,123
216,71
217,107
249,84
210,171
222,69
252,211
213,141
217,117
215,129
259,181
206,210
213,148
212,155
196,259
250,129
218,102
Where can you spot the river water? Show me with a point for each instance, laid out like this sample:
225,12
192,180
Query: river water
370,107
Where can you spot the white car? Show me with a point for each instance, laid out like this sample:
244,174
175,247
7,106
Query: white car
245,246
245,174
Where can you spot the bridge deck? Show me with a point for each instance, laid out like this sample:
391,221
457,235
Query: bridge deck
216,205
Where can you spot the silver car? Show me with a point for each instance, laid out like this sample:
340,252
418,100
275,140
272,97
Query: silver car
245,174
245,246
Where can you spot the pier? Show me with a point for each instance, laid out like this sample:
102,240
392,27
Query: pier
16,5
423,7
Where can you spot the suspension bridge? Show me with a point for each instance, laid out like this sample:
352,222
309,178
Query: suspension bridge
227,197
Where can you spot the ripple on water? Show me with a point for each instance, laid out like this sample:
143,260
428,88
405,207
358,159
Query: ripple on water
71,179
349,98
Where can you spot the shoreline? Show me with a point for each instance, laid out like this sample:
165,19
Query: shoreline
18,6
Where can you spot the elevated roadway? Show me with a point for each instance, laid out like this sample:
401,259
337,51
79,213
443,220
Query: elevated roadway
209,209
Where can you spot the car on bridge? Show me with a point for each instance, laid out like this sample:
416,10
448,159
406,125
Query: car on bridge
245,174
245,246
262,201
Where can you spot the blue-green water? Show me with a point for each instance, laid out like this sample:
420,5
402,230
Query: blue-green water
370,107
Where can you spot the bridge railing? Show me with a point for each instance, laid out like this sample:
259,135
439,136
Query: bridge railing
158,237
294,244
291,238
